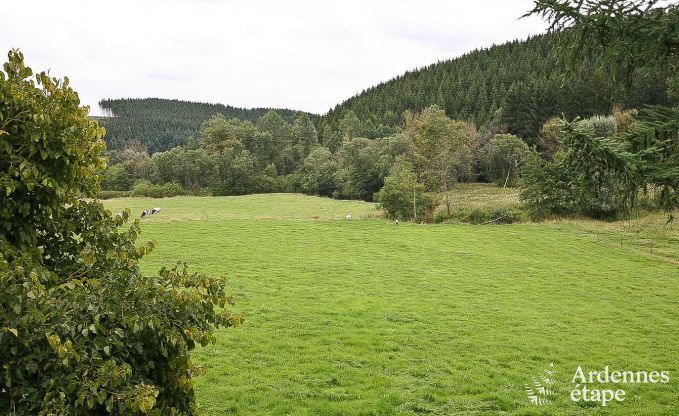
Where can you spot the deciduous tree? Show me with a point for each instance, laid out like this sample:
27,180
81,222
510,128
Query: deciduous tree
82,330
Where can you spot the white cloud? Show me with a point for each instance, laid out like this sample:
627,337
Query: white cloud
299,54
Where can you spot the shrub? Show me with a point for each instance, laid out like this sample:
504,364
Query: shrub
509,215
598,126
170,189
478,216
147,189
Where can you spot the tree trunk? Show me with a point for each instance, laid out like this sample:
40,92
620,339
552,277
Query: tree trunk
414,205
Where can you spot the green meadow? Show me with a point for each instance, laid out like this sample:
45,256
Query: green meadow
364,317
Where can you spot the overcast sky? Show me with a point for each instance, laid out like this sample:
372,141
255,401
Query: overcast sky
300,54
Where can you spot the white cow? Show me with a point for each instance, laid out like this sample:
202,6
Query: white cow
347,217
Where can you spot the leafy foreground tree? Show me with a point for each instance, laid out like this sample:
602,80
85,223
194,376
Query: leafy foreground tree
82,331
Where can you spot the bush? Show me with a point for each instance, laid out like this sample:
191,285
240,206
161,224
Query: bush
170,189
507,216
598,126
477,216
503,215
495,216
147,189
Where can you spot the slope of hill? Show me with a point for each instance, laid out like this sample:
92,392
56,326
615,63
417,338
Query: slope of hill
519,84
162,124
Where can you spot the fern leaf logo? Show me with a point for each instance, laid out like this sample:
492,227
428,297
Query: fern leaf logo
540,391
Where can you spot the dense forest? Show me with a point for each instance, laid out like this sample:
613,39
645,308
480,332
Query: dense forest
519,84
162,124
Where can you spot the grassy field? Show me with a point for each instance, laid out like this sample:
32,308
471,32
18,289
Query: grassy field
366,318
649,234
250,207
645,233
483,196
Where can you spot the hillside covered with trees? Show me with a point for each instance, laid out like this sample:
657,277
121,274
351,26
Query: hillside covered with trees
521,113
162,124
519,85
514,87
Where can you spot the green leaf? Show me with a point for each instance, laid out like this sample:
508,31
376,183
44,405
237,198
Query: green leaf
89,256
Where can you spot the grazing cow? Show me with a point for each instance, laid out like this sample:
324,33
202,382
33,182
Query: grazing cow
150,212
347,217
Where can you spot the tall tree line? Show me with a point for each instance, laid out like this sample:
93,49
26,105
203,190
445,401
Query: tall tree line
233,157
